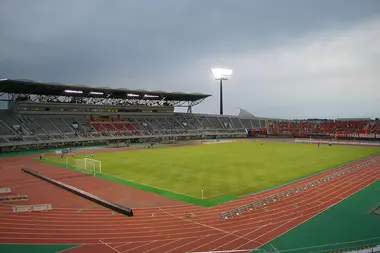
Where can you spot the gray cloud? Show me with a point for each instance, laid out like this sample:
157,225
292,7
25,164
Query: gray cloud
281,51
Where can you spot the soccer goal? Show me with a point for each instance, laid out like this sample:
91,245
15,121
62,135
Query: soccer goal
89,164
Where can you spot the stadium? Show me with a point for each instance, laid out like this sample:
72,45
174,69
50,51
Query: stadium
90,169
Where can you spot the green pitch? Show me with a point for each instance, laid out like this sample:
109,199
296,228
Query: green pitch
223,170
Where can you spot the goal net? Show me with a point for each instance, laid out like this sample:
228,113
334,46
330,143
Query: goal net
89,164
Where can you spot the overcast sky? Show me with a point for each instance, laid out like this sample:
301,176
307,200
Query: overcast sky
291,59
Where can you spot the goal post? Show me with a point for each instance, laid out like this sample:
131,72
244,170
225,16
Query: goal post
93,165
89,164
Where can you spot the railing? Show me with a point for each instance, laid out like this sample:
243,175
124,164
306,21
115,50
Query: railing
10,199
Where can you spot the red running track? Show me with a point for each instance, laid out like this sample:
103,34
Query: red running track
169,231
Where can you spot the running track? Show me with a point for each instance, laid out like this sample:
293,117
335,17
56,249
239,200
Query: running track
97,230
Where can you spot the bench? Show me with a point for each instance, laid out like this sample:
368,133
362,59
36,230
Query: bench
32,208
5,190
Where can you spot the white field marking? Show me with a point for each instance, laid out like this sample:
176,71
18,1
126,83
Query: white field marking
202,237
191,231
109,246
139,246
320,212
70,248
207,226
155,248
223,251
121,245
87,243
230,240
276,228
274,248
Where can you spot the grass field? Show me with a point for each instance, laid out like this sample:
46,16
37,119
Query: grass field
223,169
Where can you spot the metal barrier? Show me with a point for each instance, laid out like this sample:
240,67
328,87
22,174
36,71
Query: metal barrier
5,190
9,199
32,208
113,206
281,195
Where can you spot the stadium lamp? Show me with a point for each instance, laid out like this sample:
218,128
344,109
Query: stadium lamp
221,74
132,95
96,93
150,96
74,91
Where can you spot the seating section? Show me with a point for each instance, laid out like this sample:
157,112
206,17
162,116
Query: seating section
29,128
336,128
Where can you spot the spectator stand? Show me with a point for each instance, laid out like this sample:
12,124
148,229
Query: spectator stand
262,203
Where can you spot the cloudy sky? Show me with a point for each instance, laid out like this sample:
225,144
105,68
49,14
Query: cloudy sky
291,59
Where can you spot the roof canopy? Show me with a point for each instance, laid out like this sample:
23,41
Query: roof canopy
57,89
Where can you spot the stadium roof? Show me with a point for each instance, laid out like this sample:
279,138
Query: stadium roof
18,86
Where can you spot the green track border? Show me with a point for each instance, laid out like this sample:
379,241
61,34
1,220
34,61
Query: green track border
35,248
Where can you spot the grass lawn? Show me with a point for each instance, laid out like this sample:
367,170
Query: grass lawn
224,169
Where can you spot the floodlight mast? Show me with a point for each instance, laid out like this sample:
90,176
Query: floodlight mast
221,74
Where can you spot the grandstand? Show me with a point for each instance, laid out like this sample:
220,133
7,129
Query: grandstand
365,129
41,115
50,115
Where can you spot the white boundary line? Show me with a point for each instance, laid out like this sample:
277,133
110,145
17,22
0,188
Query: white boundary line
110,246
223,251
200,238
70,248
123,244
207,226
283,224
234,239
139,246
155,248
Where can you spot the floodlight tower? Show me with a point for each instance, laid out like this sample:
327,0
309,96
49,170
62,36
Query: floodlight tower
221,74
